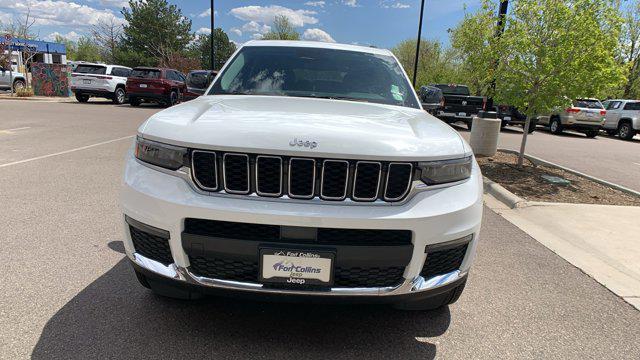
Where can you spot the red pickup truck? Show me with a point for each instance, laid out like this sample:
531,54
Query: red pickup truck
161,85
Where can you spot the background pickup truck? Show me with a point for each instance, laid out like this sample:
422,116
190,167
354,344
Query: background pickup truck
459,105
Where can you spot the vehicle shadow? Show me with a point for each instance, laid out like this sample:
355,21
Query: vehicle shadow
565,133
115,317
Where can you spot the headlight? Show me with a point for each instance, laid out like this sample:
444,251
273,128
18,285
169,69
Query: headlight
445,171
163,155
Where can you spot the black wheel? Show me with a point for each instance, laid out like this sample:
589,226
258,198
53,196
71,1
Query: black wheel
18,85
503,125
173,98
532,126
119,96
591,133
625,131
435,302
555,126
82,98
611,132
134,101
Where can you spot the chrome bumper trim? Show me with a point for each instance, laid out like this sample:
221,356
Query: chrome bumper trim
179,273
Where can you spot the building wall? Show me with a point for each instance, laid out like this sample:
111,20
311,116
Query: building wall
51,79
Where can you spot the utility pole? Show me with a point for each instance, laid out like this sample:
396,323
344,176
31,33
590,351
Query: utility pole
502,14
213,51
415,63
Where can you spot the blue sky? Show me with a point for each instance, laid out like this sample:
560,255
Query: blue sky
382,23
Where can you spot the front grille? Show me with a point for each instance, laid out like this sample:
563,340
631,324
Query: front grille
368,277
225,269
272,233
301,178
151,246
444,261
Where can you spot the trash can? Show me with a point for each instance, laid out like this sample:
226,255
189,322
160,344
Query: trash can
485,131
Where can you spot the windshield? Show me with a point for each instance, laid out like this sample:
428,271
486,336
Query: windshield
453,89
199,80
587,103
91,69
145,73
315,72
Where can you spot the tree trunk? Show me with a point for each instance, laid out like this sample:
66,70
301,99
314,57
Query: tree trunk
523,144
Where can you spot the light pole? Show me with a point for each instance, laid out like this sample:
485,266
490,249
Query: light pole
415,63
502,13
213,51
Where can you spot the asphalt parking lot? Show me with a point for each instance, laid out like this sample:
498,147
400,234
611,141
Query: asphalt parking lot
66,290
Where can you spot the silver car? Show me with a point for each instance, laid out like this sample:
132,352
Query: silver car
585,115
6,78
623,118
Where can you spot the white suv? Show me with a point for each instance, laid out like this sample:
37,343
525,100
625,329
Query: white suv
99,80
623,118
307,170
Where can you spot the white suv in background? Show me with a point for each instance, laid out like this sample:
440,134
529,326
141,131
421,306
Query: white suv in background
306,170
623,118
99,80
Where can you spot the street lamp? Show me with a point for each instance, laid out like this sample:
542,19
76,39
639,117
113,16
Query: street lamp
213,52
415,63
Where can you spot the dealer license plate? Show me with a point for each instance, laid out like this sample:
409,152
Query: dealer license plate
296,267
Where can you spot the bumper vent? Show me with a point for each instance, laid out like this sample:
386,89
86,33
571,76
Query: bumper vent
301,178
151,245
440,262
226,269
368,277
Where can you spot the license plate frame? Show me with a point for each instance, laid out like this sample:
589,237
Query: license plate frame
86,81
307,259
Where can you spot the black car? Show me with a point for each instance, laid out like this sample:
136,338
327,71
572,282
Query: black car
431,98
458,104
510,115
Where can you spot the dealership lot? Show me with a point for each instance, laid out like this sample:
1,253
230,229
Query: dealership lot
67,291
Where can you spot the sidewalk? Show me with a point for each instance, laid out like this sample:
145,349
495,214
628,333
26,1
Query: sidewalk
601,240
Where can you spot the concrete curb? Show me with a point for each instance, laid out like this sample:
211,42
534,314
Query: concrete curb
38,98
503,195
538,161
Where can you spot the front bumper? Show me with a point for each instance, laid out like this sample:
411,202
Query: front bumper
433,216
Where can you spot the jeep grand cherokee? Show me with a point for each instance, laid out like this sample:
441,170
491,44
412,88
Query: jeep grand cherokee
308,170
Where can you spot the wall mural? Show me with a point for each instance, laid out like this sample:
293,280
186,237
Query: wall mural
50,79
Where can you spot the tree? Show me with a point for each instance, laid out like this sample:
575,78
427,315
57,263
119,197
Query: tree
435,63
282,29
554,51
107,34
630,46
473,44
155,32
201,49
88,50
70,46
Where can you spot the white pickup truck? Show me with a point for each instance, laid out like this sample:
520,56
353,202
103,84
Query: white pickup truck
306,170
7,77
99,80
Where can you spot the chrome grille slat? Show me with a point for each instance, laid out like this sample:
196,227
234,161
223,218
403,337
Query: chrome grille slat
299,177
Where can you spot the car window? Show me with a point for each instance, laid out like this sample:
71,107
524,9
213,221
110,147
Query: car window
314,72
199,79
588,103
632,106
611,105
182,77
120,72
453,89
145,73
91,69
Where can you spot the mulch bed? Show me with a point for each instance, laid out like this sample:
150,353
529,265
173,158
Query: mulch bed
528,183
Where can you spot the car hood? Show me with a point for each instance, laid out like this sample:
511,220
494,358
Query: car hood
291,125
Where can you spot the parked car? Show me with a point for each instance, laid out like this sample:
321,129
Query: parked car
623,118
301,177
431,98
7,77
197,83
458,104
100,80
510,115
164,86
585,115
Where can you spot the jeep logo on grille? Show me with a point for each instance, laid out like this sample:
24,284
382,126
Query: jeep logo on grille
303,143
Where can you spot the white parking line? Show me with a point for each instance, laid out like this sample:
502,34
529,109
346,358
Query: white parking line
637,164
10,131
66,151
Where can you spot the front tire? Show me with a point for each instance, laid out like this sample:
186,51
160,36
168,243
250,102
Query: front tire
82,98
625,131
119,96
173,98
18,85
555,126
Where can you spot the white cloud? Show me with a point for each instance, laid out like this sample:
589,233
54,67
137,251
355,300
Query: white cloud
203,31
5,17
396,5
254,27
351,3
316,34
207,13
114,3
236,31
257,36
315,3
266,14
71,35
52,12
